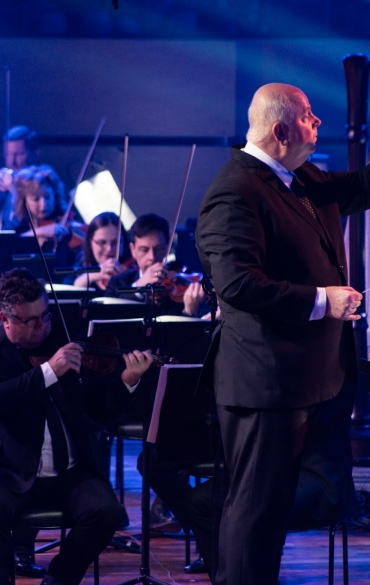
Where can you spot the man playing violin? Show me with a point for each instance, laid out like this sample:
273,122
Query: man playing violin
150,236
20,148
36,466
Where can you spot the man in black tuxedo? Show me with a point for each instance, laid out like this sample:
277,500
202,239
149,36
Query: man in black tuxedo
270,237
45,452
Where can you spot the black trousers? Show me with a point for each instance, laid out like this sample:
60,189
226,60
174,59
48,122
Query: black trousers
91,503
263,451
199,508
169,484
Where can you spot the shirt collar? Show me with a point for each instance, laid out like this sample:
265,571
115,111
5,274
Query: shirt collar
274,165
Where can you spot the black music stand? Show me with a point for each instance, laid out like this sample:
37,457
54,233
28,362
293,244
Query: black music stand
184,426
180,421
185,338
12,244
137,329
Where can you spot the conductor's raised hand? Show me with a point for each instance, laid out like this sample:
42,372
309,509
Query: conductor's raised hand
137,362
342,303
66,358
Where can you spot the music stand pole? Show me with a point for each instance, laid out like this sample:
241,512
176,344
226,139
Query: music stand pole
144,576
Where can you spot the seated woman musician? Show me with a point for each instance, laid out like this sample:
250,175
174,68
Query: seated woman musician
43,191
100,248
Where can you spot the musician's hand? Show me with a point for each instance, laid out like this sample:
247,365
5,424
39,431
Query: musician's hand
60,231
66,358
154,274
109,268
193,296
6,179
137,362
342,302
49,231
208,316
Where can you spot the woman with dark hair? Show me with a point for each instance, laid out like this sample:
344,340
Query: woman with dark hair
100,248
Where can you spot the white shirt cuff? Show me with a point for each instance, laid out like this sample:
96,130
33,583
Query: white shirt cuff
318,312
49,374
50,377
131,389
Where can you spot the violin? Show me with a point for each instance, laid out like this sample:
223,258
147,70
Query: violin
177,282
100,354
77,230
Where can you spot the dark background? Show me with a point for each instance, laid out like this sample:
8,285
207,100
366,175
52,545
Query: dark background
169,73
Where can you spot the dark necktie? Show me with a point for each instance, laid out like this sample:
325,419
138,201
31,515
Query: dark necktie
58,437
300,191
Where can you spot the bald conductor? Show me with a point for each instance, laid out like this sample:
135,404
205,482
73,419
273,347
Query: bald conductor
270,237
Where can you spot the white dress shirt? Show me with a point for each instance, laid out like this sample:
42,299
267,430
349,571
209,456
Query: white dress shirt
318,311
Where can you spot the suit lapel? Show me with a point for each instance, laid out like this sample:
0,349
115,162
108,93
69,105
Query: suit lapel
13,361
271,179
268,176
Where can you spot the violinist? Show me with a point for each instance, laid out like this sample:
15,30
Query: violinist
150,236
43,191
100,248
20,148
149,239
37,464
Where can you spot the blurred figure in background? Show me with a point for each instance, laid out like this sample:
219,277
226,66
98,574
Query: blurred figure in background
20,148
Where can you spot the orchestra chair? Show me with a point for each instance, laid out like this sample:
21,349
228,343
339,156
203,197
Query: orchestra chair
48,518
333,528
132,430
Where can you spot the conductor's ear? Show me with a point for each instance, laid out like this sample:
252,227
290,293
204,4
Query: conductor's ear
4,320
280,132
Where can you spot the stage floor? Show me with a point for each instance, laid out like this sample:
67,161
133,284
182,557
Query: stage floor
305,559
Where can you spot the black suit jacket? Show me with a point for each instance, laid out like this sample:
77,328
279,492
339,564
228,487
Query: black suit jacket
266,255
22,412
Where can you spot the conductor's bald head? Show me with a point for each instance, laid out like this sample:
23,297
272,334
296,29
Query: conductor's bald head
282,124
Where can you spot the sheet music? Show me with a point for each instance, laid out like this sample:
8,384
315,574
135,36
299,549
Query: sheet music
100,193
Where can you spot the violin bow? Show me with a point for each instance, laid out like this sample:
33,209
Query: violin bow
7,100
123,185
179,203
99,130
48,274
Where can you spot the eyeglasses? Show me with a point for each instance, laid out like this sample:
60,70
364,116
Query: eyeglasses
31,322
104,243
